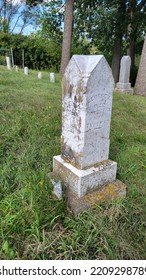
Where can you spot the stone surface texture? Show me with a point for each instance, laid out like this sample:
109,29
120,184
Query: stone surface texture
83,181
140,85
123,85
106,193
86,114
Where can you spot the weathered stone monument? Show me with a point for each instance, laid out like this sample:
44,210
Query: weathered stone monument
52,77
140,85
40,75
123,85
83,165
8,62
16,68
26,70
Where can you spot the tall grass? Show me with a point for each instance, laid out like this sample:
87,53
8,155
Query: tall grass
33,223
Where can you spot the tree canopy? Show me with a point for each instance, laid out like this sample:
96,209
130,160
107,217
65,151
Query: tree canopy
113,28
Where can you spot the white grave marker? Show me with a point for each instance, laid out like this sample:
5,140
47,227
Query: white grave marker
52,77
26,70
8,62
86,114
40,75
123,85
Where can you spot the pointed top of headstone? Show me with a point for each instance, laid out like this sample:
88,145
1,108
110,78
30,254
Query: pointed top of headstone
86,63
126,57
140,85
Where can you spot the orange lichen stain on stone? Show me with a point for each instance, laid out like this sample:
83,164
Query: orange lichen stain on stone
103,163
70,162
103,194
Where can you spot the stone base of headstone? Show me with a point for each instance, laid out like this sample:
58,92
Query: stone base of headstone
106,193
124,87
83,181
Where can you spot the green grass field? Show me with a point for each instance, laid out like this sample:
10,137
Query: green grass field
33,223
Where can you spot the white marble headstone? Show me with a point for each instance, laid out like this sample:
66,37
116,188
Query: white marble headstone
124,85
8,62
40,75
87,91
52,77
87,104
125,69
26,70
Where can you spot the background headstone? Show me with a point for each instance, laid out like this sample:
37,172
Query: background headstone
8,62
123,85
26,70
40,75
52,77
86,114
140,85
16,68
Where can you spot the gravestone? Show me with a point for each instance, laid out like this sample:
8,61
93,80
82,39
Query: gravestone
26,70
8,62
140,85
40,75
16,68
123,85
84,164
52,77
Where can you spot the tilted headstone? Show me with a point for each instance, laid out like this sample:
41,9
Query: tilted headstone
40,75
123,85
26,70
8,62
86,114
52,77
140,85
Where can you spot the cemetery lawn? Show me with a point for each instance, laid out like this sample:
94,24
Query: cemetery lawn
33,223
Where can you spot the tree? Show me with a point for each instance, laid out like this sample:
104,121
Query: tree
119,29
112,26
16,15
136,14
67,34
50,20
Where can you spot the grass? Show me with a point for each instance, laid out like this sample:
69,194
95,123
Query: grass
33,223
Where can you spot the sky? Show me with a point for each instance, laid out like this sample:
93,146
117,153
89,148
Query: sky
30,28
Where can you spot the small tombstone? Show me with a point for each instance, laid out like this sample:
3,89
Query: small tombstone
140,85
123,85
26,70
83,165
8,62
16,68
40,75
52,77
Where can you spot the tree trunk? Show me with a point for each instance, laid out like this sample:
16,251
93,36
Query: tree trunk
116,59
67,35
132,32
119,31
131,51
